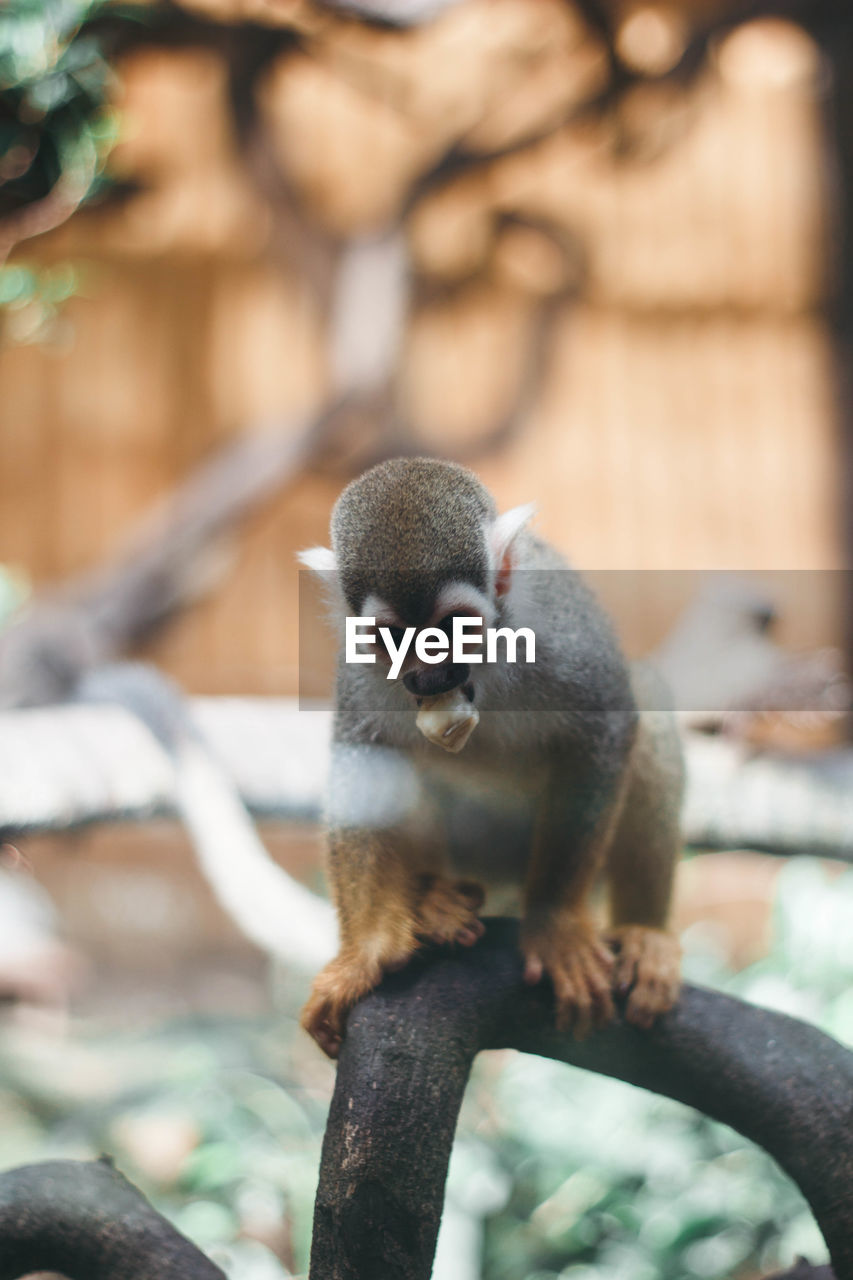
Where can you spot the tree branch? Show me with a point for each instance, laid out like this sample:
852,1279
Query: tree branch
173,557
89,1223
409,1049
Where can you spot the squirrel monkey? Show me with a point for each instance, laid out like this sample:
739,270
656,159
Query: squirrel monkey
549,778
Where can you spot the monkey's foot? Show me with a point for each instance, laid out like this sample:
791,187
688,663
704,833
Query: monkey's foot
447,911
576,959
342,983
648,965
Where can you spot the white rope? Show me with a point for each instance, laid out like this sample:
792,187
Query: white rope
66,765
276,912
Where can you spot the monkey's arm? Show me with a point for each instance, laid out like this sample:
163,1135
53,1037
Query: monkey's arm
389,898
641,864
559,937
373,890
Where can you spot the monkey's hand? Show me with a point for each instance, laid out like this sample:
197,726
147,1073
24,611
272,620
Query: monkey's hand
648,966
447,911
442,911
567,947
342,983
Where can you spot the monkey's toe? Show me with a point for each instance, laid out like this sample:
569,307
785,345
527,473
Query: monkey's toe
447,911
579,966
584,1000
647,971
328,1039
324,1023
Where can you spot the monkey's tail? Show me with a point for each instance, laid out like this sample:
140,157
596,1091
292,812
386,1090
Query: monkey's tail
272,909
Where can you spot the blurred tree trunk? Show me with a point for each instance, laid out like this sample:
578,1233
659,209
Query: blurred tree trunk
835,39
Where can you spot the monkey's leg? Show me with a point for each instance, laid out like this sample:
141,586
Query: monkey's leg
559,935
374,891
640,869
388,903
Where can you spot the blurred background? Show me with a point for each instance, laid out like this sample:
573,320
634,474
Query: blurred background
598,250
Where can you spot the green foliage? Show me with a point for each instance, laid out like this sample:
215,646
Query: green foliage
610,1183
607,1182
54,119
199,1117
577,1177
31,298
56,128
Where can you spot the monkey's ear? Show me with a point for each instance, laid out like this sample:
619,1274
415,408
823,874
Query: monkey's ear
502,534
318,559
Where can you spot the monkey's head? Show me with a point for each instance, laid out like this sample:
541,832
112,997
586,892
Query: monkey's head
415,543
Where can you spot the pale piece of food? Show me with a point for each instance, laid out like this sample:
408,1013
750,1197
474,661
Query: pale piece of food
448,720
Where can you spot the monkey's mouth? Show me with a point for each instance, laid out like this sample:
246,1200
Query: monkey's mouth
449,719
467,689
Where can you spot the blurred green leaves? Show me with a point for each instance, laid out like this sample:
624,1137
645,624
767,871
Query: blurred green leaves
573,1176
55,124
622,1185
56,129
31,298
608,1182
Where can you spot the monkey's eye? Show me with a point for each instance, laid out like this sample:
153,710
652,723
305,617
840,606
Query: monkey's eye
446,624
393,637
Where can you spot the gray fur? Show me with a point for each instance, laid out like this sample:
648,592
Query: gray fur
401,531
391,536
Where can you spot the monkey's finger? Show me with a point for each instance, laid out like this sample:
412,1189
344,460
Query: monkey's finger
624,972
603,1008
533,970
641,1009
574,1011
601,999
468,935
329,1040
652,996
322,1023
574,1001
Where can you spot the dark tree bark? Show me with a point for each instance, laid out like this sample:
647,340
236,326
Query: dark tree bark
409,1049
89,1223
402,1073
803,1270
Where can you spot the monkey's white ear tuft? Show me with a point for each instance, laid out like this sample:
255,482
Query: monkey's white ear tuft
318,559
507,527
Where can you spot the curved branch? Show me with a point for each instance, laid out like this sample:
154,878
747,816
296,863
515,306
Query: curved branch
89,1223
409,1049
272,909
44,215
173,557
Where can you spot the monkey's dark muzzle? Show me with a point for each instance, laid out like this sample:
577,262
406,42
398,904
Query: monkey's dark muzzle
430,682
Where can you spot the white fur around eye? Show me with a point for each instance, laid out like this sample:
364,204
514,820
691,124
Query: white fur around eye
318,559
507,527
462,597
376,607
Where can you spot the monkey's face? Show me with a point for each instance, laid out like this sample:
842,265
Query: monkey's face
434,661
417,544
431,649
